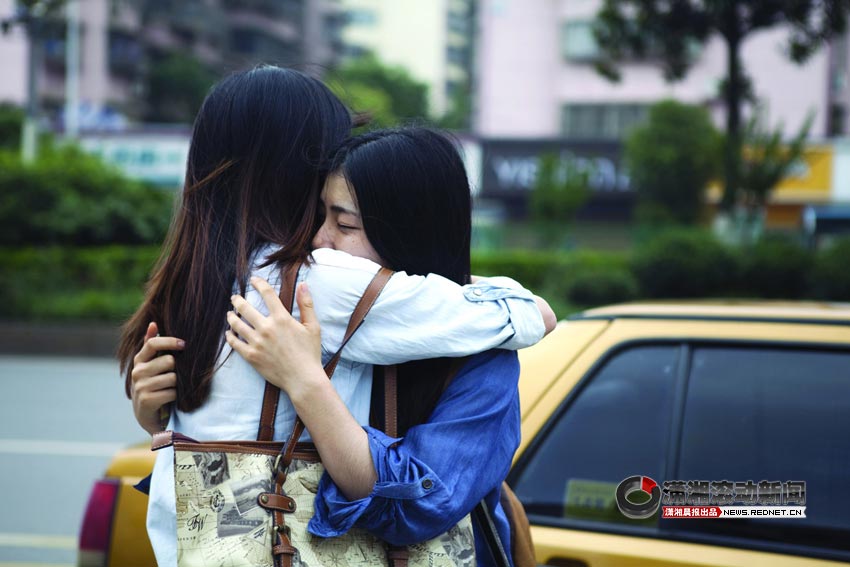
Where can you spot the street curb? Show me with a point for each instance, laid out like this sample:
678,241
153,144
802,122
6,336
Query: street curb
59,339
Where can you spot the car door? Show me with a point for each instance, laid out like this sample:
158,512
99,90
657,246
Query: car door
620,410
770,413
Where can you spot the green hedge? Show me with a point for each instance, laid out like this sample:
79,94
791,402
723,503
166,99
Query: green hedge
776,268
568,280
74,283
106,283
686,263
532,268
69,197
831,273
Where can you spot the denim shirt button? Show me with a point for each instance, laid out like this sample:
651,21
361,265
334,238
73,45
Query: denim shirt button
427,484
477,292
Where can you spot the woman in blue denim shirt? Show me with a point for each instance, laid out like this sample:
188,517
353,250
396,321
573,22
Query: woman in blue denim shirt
455,446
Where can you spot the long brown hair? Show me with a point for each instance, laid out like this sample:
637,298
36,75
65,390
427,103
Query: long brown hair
252,178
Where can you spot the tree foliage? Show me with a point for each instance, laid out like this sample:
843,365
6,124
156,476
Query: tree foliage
177,85
362,98
766,159
11,120
671,160
459,114
407,98
560,189
667,29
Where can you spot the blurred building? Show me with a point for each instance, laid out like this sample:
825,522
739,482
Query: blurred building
13,55
433,40
232,34
121,39
537,91
536,78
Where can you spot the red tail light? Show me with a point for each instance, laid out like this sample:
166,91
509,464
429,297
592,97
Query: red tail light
97,524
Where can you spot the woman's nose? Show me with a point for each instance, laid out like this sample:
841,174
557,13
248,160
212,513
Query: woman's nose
321,239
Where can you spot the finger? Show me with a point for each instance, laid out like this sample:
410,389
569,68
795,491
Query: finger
305,306
241,347
269,295
247,311
152,331
159,365
155,345
240,327
166,343
159,382
159,398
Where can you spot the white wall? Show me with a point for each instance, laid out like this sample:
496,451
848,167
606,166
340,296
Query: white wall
524,79
14,58
408,33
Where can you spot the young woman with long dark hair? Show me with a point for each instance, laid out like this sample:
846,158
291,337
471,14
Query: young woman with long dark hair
249,207
400,197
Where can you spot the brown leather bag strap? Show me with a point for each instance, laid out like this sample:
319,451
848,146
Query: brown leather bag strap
391,392
391,400
397,556
376,286
272,393
283,550
373,290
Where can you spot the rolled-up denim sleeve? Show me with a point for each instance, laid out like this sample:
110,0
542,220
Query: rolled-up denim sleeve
434,476
524,315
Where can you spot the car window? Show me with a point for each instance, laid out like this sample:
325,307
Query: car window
616,427
777,415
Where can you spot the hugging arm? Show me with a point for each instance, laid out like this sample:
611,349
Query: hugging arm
418,317
436,474
415,317
288,354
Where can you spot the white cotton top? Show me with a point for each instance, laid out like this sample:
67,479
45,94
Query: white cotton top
415,317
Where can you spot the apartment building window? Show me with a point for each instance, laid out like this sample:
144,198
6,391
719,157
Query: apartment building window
837,120
457,55
362,17
53,45
459,22
125,53
577,41
600,121
243,40
352,51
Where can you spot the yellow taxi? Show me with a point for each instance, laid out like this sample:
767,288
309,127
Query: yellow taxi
743,404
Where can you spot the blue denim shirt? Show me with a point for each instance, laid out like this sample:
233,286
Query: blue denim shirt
465,450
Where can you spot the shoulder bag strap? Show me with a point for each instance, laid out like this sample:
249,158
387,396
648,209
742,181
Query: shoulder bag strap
482,515
376,286
283,546
397,556
272,394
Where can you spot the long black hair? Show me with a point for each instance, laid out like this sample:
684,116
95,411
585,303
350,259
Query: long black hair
253,177
413,193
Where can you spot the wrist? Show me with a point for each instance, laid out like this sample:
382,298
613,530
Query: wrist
310,390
